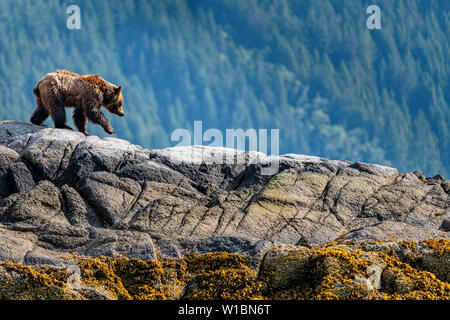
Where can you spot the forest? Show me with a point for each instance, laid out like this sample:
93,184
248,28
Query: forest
310,68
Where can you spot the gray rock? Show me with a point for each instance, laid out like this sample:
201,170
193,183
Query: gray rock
7,155
445,226
14,245
20,177
61,192
109,194
39,206
115,243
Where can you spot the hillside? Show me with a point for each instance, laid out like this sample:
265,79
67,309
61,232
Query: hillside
105,210
310,68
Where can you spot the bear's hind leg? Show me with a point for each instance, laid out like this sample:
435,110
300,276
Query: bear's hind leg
40,114
80,120
58,113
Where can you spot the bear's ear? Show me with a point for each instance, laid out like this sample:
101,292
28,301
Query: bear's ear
117,90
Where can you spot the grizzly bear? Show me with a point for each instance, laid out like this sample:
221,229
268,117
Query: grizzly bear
85,93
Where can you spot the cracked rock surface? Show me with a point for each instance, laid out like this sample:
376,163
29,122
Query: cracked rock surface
62,193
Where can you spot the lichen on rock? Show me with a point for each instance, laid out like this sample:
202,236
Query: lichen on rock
334,271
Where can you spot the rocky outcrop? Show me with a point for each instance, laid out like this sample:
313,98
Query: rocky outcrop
64,194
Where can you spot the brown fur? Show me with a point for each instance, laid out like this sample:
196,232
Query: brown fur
70,73
85,93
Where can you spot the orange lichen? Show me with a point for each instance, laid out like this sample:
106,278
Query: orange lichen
334,271
43,275
19,282
229,284
440,246
99,273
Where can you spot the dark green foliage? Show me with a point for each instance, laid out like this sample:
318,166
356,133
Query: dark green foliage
310,68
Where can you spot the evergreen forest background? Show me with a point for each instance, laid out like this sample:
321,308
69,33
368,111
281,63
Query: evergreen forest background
308,67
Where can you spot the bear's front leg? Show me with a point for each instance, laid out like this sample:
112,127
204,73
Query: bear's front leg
64,126
95,115
109,130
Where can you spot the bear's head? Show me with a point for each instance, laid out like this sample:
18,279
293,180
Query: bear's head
113,102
